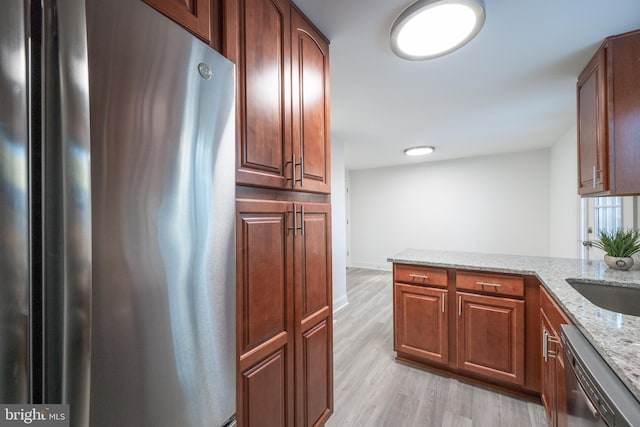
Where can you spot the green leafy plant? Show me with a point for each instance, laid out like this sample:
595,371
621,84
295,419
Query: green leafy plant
620,243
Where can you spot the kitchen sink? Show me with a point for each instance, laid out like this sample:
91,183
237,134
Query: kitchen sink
621,299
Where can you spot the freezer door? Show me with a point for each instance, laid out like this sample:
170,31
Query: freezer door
163,214
14,207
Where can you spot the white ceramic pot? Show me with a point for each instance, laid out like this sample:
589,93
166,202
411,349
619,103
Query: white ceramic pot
617,263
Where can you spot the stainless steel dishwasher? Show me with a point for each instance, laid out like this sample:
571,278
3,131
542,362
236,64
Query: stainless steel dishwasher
595,394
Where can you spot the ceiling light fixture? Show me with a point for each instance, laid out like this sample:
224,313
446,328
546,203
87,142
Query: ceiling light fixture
419,151
432,28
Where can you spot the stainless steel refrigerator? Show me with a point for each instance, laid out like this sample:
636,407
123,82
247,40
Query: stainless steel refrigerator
117,195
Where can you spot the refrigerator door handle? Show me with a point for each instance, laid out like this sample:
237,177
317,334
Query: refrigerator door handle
66,207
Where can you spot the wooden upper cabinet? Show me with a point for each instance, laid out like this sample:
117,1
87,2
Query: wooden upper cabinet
283,96
310,106
194,15
263,155
592,137
608,126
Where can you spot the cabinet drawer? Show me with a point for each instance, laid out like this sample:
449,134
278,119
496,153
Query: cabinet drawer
420,275
490,283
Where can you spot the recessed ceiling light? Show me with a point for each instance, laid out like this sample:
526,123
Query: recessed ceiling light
432,28
419,151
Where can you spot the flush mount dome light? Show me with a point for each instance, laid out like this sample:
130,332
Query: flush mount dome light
419,151
432,28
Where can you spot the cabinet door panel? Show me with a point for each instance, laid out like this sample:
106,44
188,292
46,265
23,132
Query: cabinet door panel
561,390
553,370
195,15
264,80
314,345
548,393
316,365
316,252
491,336
624,105
421,325
591,128
263,274
265,392
310,108
264,270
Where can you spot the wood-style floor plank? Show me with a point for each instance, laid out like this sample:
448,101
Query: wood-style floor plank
371,389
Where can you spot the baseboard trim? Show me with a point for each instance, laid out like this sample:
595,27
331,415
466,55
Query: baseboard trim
372,266
340,303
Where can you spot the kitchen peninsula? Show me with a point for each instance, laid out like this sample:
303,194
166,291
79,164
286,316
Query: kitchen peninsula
615,336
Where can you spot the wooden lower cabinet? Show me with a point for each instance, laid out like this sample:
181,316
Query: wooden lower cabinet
313,315
553,393
547,394
491,336
421,322
315,375
265,328
499,329
265,393
473,324
284,318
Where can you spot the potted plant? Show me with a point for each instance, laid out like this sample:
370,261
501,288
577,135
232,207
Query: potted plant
620,246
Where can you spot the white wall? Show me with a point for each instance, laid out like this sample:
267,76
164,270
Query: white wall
338,225
491,204
564,202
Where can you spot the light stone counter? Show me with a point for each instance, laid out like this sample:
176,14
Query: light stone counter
615,336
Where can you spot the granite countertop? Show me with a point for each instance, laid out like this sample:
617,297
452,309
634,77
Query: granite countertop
615,336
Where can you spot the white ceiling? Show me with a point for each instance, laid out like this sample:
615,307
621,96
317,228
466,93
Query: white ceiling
512,88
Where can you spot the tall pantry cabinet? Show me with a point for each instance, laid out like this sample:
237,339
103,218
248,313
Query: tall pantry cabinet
283,221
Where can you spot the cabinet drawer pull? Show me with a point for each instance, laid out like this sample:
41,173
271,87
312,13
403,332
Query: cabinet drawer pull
546,338
418,276
496,285
459,305
443,294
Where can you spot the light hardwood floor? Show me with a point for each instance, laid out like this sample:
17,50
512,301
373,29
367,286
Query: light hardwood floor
372,389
